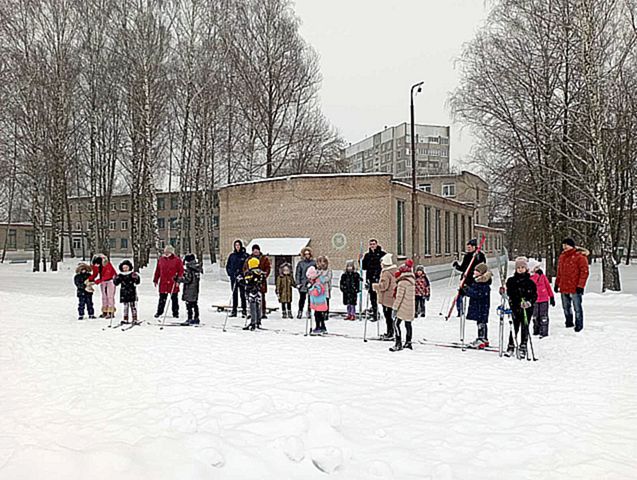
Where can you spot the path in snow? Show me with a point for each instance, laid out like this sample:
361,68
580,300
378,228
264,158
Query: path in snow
78,402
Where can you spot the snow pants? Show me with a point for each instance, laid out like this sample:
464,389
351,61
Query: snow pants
421,305
541,319
193,310
85,301
108,296
238,290
254,300
132,307
319,320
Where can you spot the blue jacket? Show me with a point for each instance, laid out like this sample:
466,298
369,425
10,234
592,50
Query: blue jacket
234,265
479,303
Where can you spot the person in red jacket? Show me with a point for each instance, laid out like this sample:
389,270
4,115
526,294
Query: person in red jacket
103,274
572,273
544,298
169,267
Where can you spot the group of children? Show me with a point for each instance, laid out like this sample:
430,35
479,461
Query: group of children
101,272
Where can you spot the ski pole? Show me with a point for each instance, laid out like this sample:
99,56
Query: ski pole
530,340
462,329
365,320
172,291
225,321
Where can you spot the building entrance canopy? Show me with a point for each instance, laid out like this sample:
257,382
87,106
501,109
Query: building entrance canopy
280,246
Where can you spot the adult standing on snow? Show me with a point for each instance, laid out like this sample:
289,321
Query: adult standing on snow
234,269
300,276
168,267
372,267
266,267
466,268
572,274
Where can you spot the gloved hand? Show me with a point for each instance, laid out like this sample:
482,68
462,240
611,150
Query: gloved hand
525,304
579,290
367,285
556,289
455,264
394,314
502,290
427,297
552,301
155,283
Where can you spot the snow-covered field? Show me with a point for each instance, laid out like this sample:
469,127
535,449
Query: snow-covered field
80,402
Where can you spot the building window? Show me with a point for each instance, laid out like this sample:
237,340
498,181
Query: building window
449,190
447,232
124,225
113,207
78,226
88,226
425,187
427,231
173,241
470,227
400,228
77,243
161,223
434,139
456,227
12,239
113,225
173,222
161,203
437,233
174,203
28,240
124,205
464,230
112,242
123,244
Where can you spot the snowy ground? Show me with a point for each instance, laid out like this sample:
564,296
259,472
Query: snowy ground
78,402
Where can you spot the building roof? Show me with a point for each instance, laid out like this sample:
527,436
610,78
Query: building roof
307,175
280,246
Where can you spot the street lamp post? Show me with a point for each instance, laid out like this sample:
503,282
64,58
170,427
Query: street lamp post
417,88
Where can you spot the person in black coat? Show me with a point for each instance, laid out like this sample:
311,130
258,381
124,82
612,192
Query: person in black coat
190,280
466,268
350,285
522,293
372,267
127,280
84,289
234,269
479,294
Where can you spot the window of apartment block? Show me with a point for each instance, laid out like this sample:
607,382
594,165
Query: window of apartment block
456,229
78,226
12,242
113,207
113,225
161,223
471,228
123,244
124,205
425,187
88,226
400,228
28,239
161,203
447,232
448,189
437,233
112,242
173,222
427,231
434,139
77,243
173,241
444,141
174,203
124,225
464,232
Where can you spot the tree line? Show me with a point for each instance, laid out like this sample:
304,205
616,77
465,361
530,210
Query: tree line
549,88
106,96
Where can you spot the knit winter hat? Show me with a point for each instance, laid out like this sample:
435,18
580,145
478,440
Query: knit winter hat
569,241
482,268
409,262
311,273
169,250
256,247
473,242
126,262
387,260
253,263
404,268
522,262
190,257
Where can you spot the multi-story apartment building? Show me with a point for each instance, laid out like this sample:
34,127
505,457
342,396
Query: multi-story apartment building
389,151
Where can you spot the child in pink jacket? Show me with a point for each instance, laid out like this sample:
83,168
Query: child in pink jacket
541,308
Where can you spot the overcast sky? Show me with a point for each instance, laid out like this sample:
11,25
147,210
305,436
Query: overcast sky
372,51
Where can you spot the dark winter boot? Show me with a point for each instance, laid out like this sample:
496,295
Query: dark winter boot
569,321
300,314
408,345
544,327
522,354
398,346
233,314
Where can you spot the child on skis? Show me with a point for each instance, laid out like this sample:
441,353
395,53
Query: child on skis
318,299
544,297
350,285
103,274
324,271
479,294
84,290
284,284
423,291
385,290
190,280
404,308
522,295
253,279
128,280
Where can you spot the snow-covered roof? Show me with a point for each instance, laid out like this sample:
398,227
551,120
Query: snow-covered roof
307,175
280,246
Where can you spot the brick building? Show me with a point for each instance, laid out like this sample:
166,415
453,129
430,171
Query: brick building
338,213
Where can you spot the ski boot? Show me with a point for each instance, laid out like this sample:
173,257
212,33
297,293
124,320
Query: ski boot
477,344
510,351
522,352
81,318
243,314
249,327
299,315
408,345
157,315
396,348
316,331
387,337
232,315
91,317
